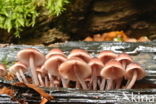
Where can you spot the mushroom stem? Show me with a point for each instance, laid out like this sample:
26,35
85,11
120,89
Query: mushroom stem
102,85
123,65
40,80
19,77
109,84
82,82
64,82
94,79
78,85
46,81
51,80
118,83
133,80
33,72
23,76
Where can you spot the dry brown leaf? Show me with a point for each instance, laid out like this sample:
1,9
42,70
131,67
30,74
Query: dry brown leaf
37,89
44,101
9,76
7,91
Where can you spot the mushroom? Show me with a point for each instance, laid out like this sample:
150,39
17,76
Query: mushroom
32,58
54,51
112,70
81,54
19,68
134,72
2,70
105,56
124,59
51,66
40,74
96,66
75,69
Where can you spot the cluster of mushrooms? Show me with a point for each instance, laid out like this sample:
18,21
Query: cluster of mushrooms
78,69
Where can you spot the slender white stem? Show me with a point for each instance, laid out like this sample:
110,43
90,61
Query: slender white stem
82,82
40,79
33,71
109,84
133,80
78,85
64,82
46,81
99,81
23,76
19,77
123,64
51,80
102,85
94,79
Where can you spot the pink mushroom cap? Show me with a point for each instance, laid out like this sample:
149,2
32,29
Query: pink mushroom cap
105,56
66,69
97,64
18,66
24,55
51,65
112,70
54,51
41,71
130,69
81,54
124,57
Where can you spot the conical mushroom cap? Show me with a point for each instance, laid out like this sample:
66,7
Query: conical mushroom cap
124,57
24,55
112,70
52,64
80,53
96,64
42,71
18,66
67,68
54,51
105,56
130,69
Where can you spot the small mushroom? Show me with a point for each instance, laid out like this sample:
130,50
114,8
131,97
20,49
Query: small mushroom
124,59
134,72
81,54
54,51
32,58
112,70
105,56
75,69
51,66
96,66
19,68
40,74
2,70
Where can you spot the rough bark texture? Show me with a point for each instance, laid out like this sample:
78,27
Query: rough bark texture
135,17
82,18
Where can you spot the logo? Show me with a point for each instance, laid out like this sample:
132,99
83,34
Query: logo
126,97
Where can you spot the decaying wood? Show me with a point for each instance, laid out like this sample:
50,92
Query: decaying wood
144,53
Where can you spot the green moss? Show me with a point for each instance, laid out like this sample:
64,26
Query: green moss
18,14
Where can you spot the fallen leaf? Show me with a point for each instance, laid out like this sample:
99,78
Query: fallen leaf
37,89
7,91
44,101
